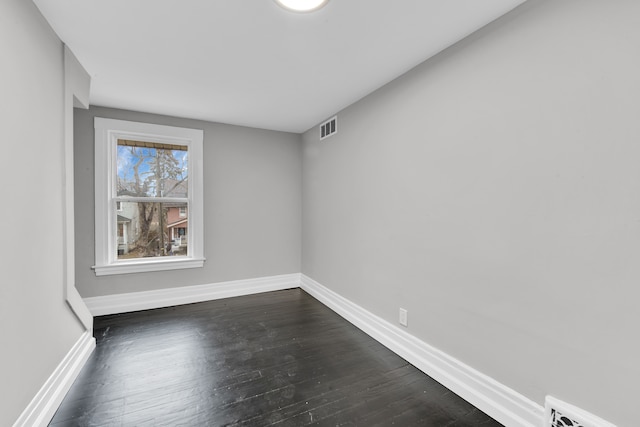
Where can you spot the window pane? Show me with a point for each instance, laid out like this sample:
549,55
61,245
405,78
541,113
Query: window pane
148,169
149,229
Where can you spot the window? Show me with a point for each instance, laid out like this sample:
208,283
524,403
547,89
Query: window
149,207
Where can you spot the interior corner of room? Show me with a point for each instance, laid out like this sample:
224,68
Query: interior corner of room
489,196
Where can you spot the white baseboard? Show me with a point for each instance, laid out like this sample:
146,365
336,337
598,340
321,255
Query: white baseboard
136,301
45,404
498,401
495,399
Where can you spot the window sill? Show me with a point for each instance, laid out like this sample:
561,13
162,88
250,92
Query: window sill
127,267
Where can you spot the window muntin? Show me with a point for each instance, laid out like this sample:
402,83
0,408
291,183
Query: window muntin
151,176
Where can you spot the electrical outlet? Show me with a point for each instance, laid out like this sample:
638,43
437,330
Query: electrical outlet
403,317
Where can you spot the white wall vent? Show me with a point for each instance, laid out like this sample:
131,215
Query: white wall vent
329,128
562,414
558,419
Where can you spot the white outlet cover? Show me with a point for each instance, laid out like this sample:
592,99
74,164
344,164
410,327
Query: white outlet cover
403,317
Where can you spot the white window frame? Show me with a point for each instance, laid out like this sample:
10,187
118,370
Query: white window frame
107,133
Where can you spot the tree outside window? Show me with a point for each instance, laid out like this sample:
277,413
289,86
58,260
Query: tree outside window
148,197
160,172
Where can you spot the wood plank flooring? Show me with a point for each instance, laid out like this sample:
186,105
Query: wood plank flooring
274,359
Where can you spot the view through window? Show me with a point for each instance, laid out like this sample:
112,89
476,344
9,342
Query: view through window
151,200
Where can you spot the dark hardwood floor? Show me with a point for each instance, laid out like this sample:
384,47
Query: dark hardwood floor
279,358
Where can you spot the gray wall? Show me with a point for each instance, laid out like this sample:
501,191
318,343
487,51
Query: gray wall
36,326
252,200
494,192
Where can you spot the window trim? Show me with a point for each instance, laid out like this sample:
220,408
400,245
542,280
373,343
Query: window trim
107,133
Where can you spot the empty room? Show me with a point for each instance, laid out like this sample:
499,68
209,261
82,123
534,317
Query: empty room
322,213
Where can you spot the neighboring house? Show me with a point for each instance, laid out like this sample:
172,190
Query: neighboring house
177,218
175,226
124,224
178,224
127,226
175,188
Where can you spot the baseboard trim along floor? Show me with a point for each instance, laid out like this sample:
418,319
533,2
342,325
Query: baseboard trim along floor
45,403
493,398
136,301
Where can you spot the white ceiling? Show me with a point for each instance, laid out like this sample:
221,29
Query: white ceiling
250,62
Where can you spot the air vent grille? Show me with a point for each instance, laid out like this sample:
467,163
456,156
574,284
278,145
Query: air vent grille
562,414
328,128
559,420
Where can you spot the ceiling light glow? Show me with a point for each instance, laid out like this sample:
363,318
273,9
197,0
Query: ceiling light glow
302,5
